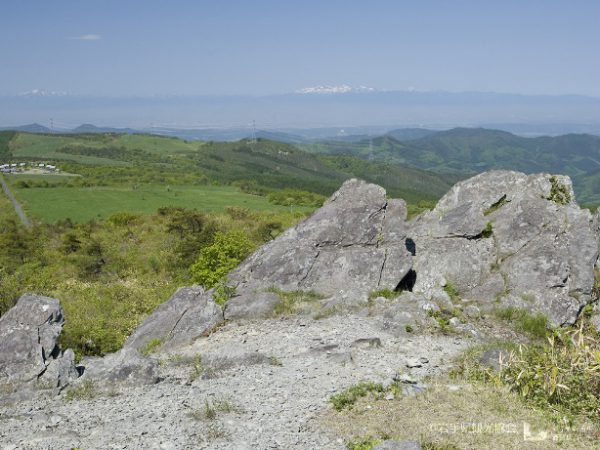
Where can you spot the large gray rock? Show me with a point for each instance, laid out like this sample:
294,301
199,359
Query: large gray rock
500,236
29,351
126,366
187,315
354,244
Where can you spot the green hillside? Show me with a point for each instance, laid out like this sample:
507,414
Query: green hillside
466,151
141,173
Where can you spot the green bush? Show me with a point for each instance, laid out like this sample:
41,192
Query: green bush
219,258
563,375
559,193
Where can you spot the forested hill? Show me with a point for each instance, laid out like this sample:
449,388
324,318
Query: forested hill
465,151
258,167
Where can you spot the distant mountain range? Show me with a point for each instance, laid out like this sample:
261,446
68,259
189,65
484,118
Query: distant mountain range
315,107
414,154
466,151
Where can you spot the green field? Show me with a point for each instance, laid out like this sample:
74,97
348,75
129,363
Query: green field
49,205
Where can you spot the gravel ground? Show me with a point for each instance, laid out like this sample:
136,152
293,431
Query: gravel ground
266,383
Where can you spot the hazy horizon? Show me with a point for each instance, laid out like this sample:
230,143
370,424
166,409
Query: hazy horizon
152,48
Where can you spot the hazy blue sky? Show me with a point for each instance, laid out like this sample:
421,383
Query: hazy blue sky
146,47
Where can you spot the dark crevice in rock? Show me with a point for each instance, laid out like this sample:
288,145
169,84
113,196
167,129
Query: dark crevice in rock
408,282
411,246
385,254
309,269
375,213
177,323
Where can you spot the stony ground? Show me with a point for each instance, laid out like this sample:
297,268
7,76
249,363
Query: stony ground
266,383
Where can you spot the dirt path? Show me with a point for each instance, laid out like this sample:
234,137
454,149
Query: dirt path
16,204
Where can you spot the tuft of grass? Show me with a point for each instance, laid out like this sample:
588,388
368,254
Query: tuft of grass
86,390
197,368
536,325
488,231
443,319
451,290
275,361
151,346
386,293
438,446
349,396
365,443
496,206
212,409
291,301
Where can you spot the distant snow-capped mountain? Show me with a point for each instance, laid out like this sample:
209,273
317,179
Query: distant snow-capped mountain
43,93
339,89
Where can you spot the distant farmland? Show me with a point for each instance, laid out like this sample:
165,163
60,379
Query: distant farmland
82,204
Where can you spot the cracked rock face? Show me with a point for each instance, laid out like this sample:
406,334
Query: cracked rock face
28,344
354,244
499,236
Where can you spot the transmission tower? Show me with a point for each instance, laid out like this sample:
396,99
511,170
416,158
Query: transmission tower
253,140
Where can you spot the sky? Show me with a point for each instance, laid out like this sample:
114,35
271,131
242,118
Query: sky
185,47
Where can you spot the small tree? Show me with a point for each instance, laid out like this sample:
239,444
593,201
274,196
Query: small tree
219,258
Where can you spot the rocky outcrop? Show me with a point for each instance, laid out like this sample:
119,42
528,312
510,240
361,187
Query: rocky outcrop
499,238
186,316
354,244
29,352
509,237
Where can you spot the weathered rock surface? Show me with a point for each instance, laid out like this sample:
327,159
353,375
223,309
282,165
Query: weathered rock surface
28,344
398,445
500,236
354,244
186,316
126,366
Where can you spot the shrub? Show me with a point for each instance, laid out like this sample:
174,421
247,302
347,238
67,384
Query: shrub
563,375
219,258
559,193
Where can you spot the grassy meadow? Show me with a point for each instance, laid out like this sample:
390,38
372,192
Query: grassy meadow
81,204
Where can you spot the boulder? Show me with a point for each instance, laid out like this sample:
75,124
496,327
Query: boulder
126,366
29,351
519,239
356,243
188,314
